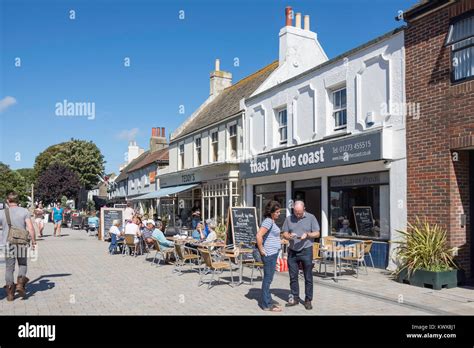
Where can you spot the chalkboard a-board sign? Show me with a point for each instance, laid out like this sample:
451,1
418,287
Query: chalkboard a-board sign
364,220
107,216
242,226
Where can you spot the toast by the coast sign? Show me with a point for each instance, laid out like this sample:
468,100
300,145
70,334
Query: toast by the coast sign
355,149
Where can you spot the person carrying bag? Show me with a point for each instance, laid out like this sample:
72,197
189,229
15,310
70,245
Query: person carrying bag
17,234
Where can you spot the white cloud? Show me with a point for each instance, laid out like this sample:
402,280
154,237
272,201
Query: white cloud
6,102
129,134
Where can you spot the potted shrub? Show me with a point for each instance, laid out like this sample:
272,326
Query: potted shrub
424,257
221,231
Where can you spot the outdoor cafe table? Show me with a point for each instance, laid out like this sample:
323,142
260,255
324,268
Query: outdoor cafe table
337,253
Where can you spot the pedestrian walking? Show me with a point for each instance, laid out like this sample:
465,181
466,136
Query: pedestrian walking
268,243
58,214
17,233
39,218
300,228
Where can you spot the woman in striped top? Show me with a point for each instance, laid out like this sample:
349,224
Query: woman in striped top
268,243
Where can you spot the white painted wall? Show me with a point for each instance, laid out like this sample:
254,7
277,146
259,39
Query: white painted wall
189,148
374,81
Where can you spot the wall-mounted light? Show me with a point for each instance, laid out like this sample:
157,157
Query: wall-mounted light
369,120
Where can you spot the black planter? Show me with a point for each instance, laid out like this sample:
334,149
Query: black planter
428,279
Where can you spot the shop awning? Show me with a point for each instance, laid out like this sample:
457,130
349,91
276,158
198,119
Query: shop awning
164,192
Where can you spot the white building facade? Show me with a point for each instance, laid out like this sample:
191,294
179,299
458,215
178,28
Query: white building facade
332,135
205,151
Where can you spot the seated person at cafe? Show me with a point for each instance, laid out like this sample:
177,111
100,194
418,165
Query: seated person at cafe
115,235
160,237
345,229
196,216
206,227
147,233
212,236
134,229
198,233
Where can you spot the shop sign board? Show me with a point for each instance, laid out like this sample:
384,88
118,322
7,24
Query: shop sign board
354,149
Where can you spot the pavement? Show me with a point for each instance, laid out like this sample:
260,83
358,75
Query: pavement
75,275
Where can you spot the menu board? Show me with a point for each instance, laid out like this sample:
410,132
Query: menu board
242,226
107,216
364,220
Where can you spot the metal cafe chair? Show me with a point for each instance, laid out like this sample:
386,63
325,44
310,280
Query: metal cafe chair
182,254
356,258
367,249
129,243
215,268
318,258
163,253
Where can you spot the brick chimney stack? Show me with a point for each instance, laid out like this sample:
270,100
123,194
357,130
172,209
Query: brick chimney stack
158,139
220,80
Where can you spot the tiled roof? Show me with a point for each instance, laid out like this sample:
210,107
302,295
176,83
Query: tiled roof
157,156
227,103
124,173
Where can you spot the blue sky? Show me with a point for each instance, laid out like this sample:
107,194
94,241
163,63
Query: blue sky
82,60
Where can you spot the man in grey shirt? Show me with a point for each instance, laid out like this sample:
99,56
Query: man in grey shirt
20,218
300,229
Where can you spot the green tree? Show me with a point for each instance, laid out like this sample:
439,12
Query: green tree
11,180
82,157
90,205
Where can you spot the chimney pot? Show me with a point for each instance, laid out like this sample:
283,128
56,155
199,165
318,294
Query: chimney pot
306,22
289,16
218,65
298,20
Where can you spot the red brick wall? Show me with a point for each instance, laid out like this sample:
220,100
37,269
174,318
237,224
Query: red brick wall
438,187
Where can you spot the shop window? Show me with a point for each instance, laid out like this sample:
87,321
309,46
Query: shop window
365,190
339,104
197,151
282,127
181,156
461,39
268,192
214,146
233,141
309,191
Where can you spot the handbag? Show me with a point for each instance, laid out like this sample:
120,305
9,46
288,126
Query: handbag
282,262
16,235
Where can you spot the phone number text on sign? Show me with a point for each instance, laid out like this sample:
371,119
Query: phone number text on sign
349,147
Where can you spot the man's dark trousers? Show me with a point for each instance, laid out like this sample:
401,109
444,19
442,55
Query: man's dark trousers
305,256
